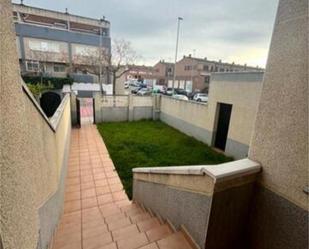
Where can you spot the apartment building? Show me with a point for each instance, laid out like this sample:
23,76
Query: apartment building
193,74
59,44
163,72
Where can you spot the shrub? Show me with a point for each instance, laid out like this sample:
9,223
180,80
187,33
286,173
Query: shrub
57,83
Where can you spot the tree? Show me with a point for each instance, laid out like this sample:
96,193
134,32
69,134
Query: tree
122,60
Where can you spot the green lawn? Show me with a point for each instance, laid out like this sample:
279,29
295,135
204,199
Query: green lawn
152,143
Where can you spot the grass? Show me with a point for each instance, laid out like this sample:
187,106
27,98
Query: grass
152,143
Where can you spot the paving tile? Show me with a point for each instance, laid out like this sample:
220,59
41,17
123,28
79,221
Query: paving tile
72,196
71,206
86,193
118,196
101,182
158,233
104,199
123,203
73,181
94,231
75,245
87,185
116,187
89,202
174,241
115,217
102,190
125,232
113,180
110,246
109,209
150,246
140,217
95,242
133,242
114,225
146,225
134,211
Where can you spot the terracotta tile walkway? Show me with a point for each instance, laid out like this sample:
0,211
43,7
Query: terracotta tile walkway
97,212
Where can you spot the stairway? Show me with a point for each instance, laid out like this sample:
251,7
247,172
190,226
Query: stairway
119,225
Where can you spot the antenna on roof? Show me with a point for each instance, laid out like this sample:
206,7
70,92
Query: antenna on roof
66,11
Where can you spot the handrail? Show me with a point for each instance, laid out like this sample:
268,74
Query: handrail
217,172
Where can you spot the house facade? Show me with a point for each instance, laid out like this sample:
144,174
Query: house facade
58,44
193,74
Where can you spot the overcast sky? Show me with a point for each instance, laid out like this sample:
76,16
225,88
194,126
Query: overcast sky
231,30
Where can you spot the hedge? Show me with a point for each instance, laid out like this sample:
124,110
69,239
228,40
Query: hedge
57,83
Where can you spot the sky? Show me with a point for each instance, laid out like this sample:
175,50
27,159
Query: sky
231,30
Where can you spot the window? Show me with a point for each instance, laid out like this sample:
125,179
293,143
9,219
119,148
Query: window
206,68
207,79
44,46
221,69
84,50
188,68
59,68
32,66
216,69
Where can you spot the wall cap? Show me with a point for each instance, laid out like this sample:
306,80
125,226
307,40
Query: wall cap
217,172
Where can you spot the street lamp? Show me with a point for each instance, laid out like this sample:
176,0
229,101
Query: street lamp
177,39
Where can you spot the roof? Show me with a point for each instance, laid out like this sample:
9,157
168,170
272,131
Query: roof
16,5
205,60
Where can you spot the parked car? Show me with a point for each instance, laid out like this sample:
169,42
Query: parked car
181,91
180,96
191,95
144,92
201,97
169,91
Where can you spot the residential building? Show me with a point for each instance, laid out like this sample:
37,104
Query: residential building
58,44
163,72
193,74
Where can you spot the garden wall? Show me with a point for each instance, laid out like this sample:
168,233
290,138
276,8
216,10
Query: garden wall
122,108
241,90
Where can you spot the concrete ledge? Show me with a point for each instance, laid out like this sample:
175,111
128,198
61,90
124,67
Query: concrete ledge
217,172
198,196
55,119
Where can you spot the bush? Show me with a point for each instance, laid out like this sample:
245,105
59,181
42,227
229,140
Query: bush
57,83
37,89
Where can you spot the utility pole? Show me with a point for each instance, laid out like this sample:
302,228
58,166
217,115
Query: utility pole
101,56
177,39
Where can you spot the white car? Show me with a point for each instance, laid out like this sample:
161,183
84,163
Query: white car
144,92
201,97
180,96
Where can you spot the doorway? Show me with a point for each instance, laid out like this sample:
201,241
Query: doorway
85,111
223,121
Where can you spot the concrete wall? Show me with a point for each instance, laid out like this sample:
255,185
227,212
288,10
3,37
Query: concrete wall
280,140
242,90
34,153
214,210
123,108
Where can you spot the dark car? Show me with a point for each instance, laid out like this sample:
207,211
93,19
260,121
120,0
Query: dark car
181,91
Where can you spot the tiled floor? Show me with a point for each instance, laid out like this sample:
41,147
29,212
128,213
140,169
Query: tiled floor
97,212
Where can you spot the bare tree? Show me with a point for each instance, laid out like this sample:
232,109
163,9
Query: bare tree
101,61
122,59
